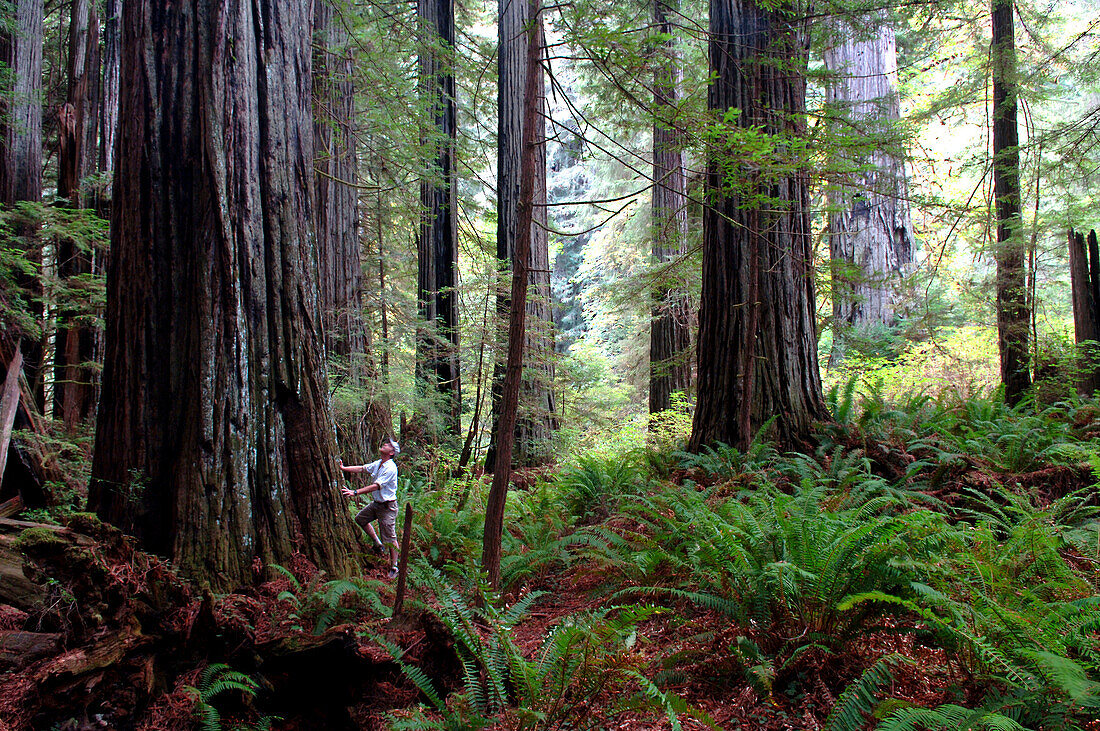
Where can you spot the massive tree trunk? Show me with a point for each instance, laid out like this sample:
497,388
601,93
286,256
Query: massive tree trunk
21,151
757,344
870,232
215,442
78,132
536,422
337,226
437,245
1013,313
670,336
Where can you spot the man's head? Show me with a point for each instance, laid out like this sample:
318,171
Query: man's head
388,449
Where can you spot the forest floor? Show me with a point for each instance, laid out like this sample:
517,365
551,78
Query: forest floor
114,639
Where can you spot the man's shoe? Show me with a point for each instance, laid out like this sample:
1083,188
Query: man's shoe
392,573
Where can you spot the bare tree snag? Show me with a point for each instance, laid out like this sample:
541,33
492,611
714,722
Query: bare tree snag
403,562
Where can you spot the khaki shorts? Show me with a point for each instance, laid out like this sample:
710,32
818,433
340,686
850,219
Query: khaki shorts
385,512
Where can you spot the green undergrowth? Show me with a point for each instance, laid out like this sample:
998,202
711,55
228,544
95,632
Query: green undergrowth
581,660
829,581
948,428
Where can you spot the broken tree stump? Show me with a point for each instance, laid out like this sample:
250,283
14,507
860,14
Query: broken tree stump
1084,270
9,405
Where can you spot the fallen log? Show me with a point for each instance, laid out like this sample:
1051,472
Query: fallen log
13,526
11,507
69,668
19,649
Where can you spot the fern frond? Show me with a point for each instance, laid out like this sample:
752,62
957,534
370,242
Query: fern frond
857,702
419,678
287,575
948,718
1066,676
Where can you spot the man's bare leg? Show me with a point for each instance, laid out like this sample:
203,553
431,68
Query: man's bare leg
392,548
373,536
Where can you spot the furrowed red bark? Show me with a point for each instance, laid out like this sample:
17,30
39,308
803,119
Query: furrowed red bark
336,209
108,123
21,157
870,232
1084,264
537,421
1013,310
215,441
336,201
21,52
513,374
78,133
670,334
437,366
757,346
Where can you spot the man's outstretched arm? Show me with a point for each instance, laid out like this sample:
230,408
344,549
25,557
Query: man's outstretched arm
356,469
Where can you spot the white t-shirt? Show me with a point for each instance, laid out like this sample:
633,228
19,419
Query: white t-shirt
385,474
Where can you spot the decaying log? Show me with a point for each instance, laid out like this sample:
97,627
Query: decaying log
19,649
11,507
12,526
104,652
15,588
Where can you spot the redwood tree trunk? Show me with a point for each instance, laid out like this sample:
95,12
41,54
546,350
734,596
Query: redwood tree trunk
78,132
757,343
670,335
78,128
536,421
21,52
108,124
21,151
1013,312
517,337
337,225
336,205
215,442
437,244
870,232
